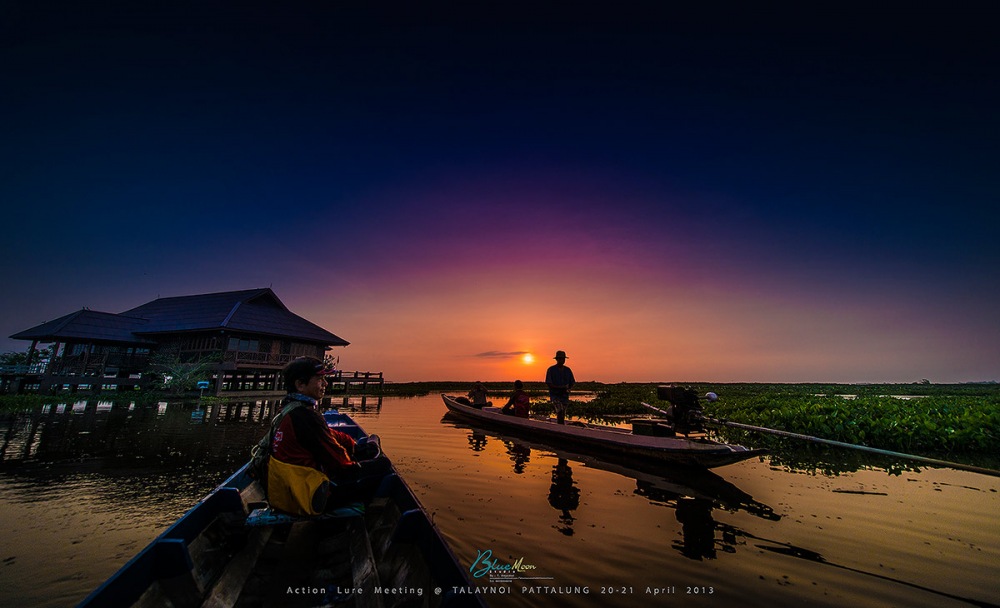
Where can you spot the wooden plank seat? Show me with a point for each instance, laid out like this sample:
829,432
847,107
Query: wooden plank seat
267,516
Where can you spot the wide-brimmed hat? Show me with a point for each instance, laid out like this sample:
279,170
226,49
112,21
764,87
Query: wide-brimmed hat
560,354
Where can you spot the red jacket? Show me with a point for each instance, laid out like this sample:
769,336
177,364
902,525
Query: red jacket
304,439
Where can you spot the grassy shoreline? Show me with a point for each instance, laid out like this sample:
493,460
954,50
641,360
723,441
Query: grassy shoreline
927,419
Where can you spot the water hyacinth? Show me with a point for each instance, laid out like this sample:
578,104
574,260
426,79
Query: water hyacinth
927,419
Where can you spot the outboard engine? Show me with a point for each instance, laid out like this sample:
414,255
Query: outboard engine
686,412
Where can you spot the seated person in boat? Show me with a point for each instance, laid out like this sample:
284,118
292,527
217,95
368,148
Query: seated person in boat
478,396
311,465
519,403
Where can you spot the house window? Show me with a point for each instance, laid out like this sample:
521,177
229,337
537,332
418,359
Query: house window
303,350
243,345
200,343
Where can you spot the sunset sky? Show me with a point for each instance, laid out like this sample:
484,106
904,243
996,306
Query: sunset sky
665,195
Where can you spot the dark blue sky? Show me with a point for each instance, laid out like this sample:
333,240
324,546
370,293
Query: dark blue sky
165,149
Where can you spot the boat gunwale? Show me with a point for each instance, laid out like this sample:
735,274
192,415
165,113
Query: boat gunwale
688,452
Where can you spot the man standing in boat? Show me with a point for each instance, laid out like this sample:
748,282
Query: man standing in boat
560,380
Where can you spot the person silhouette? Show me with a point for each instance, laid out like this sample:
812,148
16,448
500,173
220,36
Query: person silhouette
560,380
478,395
519,403
520,454
564,495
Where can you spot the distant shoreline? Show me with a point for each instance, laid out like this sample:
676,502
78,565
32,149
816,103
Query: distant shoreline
914,388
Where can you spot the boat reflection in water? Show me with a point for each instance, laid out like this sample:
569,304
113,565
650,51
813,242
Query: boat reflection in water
692,494
564,496
520,455
695,517
477,441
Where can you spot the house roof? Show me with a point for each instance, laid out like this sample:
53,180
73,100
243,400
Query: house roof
254,311
257,311
84,324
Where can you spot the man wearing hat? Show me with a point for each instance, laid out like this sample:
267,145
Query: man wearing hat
306,453
560,380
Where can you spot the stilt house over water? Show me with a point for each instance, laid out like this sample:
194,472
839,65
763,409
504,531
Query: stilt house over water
247,335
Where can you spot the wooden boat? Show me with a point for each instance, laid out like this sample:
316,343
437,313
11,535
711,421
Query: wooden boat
231,549
695,451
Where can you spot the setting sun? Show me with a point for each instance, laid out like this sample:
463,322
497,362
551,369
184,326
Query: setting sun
528,358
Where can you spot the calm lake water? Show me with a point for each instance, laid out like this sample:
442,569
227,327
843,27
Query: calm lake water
83,488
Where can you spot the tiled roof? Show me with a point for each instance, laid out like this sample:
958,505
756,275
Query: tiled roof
189,313
87,325
257,311
253,311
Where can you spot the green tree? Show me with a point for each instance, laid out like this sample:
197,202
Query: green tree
176,376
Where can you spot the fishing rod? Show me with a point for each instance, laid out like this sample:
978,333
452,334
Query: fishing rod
839,444
812,556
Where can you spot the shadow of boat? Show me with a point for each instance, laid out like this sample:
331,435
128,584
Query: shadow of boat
660,483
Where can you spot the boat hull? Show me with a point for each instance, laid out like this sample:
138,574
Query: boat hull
380,543
617,443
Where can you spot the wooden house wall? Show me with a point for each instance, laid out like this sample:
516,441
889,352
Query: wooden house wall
88,367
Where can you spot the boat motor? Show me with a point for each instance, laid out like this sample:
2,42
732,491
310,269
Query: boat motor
686,412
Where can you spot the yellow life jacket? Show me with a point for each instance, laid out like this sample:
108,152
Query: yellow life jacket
296,489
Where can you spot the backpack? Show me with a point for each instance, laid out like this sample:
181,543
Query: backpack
260,454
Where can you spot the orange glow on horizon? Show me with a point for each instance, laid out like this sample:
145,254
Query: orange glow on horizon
658,333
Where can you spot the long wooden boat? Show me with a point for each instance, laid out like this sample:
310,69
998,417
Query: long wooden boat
231,549
697,451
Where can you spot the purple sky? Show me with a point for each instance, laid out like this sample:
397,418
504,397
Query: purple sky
664,195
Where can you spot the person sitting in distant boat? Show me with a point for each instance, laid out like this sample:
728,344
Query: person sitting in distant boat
519,403
478,395
560,380
312,466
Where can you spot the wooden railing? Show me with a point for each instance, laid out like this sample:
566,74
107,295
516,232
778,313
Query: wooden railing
249,358
90,364
22,369
340,376
97,363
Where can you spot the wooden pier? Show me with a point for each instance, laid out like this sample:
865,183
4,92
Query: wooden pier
343,381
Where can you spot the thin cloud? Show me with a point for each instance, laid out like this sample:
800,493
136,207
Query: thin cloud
496,354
